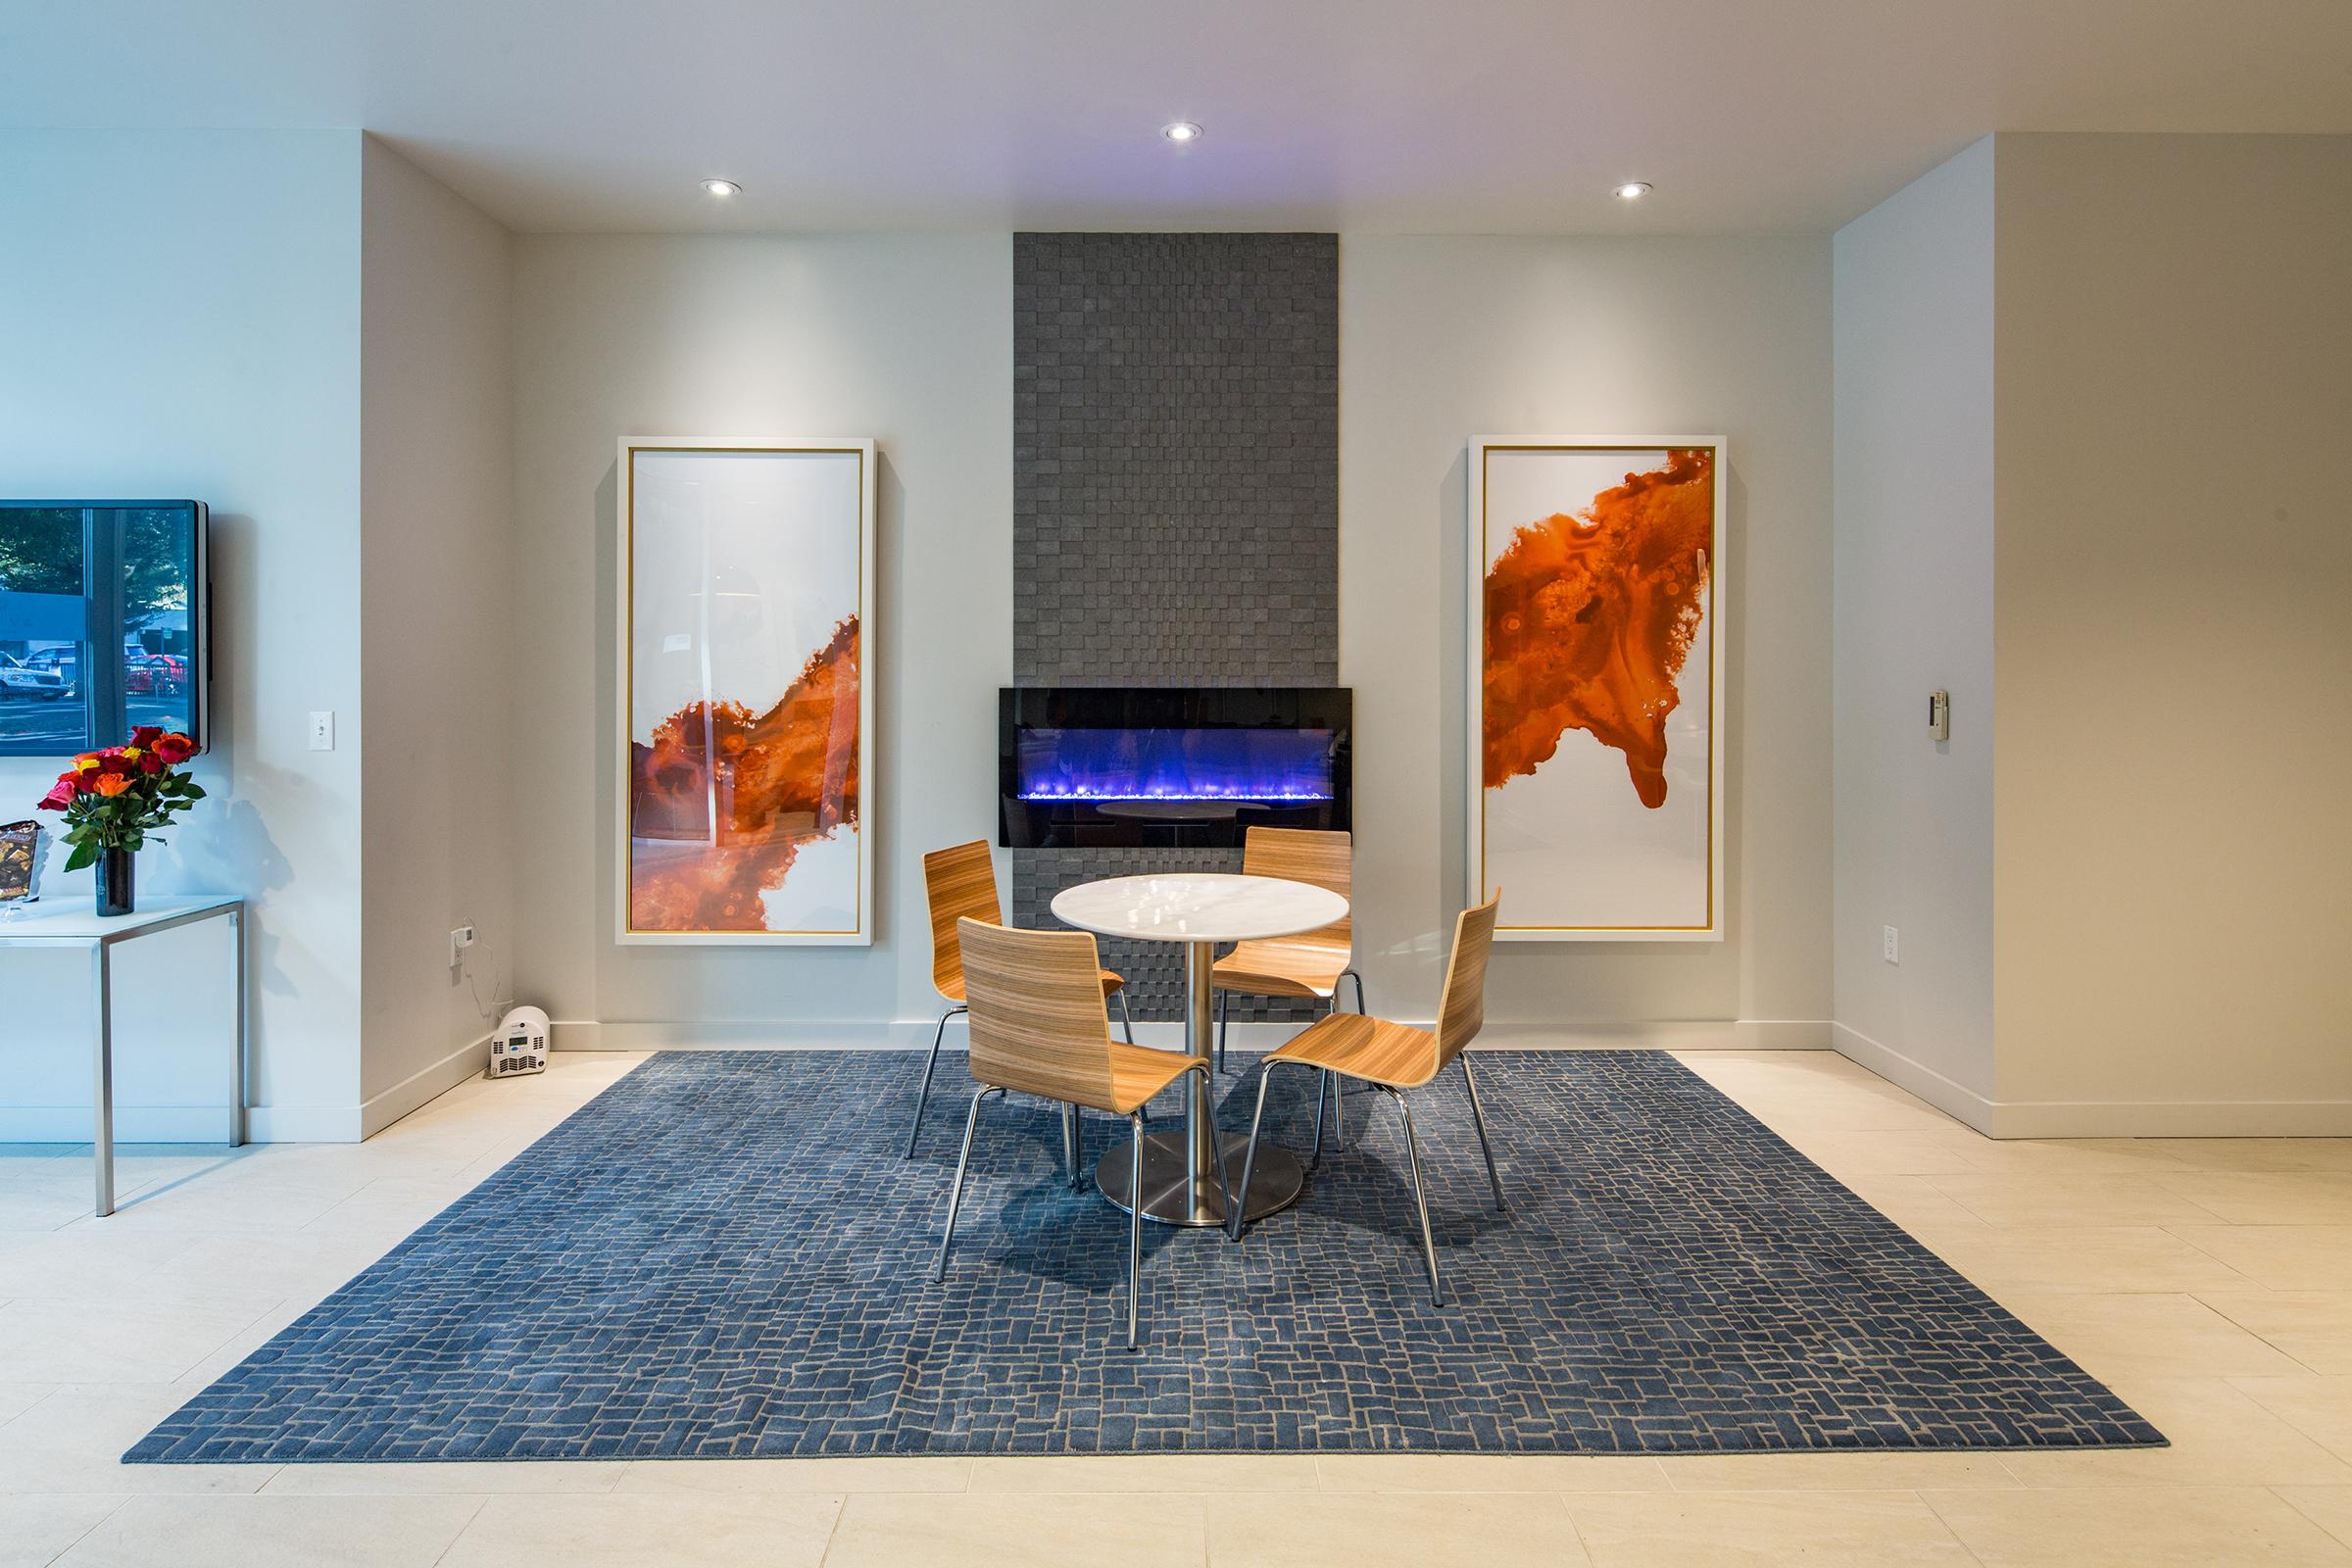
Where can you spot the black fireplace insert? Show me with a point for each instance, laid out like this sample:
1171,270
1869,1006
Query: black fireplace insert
1085,765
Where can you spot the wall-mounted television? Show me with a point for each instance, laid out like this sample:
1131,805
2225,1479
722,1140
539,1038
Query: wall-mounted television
102,622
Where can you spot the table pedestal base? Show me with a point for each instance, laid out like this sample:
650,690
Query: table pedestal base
1170,1198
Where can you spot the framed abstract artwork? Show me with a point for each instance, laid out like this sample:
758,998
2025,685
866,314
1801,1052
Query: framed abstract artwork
746,700
1596,630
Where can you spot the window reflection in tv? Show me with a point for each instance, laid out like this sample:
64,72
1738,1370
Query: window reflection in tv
101,622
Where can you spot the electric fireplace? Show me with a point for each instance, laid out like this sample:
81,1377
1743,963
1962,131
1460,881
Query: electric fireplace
1082,766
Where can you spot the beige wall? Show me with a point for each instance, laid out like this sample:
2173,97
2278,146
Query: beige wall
436,492
1444,338
1914,850
907,339
2172,566
179,315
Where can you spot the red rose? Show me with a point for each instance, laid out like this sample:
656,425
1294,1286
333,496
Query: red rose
112,760
61,794
145,735
174,748
150,763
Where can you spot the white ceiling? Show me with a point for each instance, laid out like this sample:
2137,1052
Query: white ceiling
1507,115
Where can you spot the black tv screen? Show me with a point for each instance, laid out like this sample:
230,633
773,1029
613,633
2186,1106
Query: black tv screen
102,622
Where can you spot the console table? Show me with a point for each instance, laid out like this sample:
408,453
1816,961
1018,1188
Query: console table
56,924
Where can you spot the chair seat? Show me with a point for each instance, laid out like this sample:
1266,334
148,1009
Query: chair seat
1112,984
1372,1050
1281,966
1137,1073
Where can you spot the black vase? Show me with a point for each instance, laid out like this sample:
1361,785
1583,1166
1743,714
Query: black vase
116,892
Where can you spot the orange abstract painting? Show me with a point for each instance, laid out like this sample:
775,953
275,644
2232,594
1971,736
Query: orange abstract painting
746,699
746,793
1589,618
1594,650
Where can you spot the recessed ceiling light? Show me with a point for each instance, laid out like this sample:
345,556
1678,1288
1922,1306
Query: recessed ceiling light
1181,131
1633,190
721,187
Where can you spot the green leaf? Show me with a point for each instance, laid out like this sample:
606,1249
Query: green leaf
84,857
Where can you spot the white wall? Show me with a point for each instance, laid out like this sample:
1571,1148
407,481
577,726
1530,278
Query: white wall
179,315
437,495
1444,338
1914,330
2173,562
905,339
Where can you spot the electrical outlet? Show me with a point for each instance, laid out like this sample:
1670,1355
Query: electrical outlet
1887,943
322,730
459,941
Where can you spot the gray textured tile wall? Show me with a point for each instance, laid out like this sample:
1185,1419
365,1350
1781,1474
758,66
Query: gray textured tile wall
1176,458
1176,493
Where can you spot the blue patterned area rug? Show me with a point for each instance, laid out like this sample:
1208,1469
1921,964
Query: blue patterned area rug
724,1256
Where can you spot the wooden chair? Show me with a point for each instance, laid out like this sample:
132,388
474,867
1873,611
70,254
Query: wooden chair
958,882
1392,1057
1310,965
1038,1027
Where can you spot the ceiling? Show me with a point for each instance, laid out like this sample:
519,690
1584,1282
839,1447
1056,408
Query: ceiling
1452,116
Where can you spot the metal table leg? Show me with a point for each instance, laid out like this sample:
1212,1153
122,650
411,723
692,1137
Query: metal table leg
1179,1177
236,1080
102,1097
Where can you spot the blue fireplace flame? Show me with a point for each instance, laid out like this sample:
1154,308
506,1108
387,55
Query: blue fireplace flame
1175,764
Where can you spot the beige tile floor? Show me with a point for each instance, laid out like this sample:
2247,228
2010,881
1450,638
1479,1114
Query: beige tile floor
2209,1282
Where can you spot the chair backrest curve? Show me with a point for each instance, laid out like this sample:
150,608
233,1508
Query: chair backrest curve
1038,1023
958,882
1323,858
1462,1011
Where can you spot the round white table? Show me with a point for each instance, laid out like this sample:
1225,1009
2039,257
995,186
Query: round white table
1200,910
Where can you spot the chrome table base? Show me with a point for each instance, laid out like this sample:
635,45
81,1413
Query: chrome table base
1174,1197
1180,1184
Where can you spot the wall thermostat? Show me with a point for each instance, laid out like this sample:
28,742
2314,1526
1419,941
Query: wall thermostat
519,1044
1939,715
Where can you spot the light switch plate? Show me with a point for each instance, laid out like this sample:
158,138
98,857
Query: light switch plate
322,730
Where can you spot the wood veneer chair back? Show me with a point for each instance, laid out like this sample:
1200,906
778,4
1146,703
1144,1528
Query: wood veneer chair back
1038,1022
960,882
1462,1010
1325,857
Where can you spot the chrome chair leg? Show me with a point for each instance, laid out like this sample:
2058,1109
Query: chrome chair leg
1349,974
922,1096
1477,1114
1223,997
1135,1222
1070,1147
1412,1153
1224,1186
1239,1202
1127,1014
1322,1092
972,1124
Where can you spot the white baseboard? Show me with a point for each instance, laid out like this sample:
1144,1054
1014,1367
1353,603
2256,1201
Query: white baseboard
1954,1099
133,1124
2097,1119
902,1034
263,1124
303,1124
380,1110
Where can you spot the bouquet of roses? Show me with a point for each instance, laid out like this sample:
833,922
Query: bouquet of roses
115,797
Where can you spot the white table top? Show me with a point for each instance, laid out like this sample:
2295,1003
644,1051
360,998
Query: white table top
1198,906
68,914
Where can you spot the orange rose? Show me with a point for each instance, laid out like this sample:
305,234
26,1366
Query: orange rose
86,762
174,748
113,784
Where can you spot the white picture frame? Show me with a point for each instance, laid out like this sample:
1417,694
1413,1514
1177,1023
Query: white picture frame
1582,824
758,500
